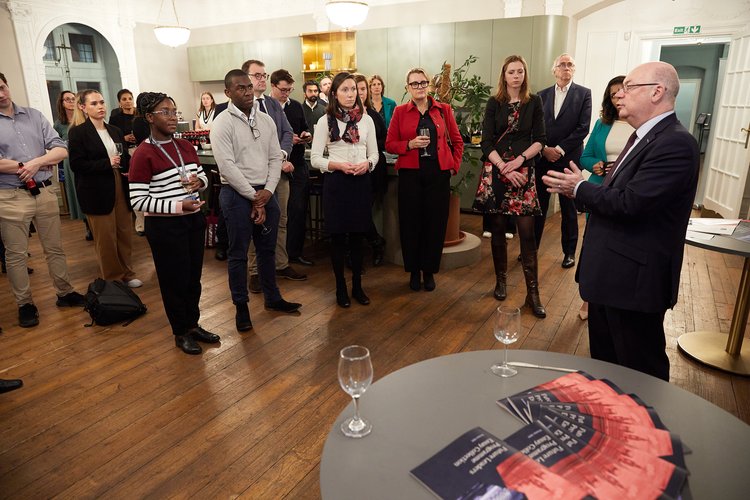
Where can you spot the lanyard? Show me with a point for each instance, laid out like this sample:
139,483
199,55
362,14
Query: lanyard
181,166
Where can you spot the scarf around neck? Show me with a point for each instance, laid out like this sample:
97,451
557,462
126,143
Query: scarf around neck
350,118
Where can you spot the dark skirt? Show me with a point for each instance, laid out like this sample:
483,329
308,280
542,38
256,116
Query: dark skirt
347,202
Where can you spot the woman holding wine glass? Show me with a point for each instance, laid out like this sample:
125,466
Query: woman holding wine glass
424,135
124,119
512,136
380,103
100,168
348,133
206,112
164,175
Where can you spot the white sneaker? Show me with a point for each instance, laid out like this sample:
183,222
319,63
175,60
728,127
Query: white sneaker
508,236
134,283
486,234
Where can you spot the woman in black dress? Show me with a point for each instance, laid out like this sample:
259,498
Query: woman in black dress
512,135
348,133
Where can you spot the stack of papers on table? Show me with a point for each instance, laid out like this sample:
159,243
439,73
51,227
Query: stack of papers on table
713,226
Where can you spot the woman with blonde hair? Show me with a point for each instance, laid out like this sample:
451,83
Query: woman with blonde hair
424,135
513,134
101,167
206,112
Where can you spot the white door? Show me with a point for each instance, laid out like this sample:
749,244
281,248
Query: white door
730,155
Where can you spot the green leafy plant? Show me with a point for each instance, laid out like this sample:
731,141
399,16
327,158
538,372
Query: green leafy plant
466,93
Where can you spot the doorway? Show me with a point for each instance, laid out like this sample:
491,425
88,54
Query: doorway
77,57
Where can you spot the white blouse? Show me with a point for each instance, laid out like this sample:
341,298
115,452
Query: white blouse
341,151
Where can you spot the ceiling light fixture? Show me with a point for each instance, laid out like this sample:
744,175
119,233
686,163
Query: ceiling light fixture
174,35
347,13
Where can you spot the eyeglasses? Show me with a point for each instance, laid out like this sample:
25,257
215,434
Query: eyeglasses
259,76
70,99
244,88
255,131
566,65
419,85
165,112
284,91
627,87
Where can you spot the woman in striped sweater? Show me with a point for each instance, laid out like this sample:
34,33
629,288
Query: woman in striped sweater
164,177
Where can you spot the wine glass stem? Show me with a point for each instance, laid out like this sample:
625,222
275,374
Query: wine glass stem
505,361
356,408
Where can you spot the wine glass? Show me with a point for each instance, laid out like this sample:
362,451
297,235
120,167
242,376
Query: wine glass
355,376
424,132
118,148
184,178
506,327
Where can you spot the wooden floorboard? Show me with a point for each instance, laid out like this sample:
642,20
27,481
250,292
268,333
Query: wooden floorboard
119,412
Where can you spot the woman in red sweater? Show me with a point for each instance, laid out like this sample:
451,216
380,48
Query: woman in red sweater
424,135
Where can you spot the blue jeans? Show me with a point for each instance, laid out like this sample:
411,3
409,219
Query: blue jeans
241,230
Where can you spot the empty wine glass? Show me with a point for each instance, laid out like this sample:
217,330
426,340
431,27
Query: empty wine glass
184,174
424,132
507,325
118,148
355,376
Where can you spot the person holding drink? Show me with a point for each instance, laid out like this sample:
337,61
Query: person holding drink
100,164
349,134
164,176
424,135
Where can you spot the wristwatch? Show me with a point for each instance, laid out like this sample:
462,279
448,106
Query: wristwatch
523,156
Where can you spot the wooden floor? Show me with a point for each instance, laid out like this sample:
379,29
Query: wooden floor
121,413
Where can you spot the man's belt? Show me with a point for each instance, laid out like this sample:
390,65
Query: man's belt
41,184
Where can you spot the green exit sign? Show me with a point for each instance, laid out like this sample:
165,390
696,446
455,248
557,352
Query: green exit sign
686,30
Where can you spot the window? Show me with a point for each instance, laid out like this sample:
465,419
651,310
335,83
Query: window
50,53
54,87
88,85
82,48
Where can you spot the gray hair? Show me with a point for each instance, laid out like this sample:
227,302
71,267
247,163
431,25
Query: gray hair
557,60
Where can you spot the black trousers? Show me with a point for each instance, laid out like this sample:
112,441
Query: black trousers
177,248
423,198
629,338
299,199
569,229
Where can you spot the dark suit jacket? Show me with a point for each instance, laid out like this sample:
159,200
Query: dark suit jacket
530,128
633,246
219,108
95,177
283,129
295,115
570,127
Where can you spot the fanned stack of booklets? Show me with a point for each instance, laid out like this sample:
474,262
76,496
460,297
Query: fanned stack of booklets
583,438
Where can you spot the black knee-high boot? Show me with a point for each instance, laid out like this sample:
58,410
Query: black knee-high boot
530,267
338,257
500,260
355,244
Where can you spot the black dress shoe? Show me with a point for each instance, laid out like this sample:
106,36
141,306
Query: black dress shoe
72,299
429,281
221,254
568,261
187,344
10,385
242,318
342,299
302,260
361,297
415,283
201,335
28,316
282,305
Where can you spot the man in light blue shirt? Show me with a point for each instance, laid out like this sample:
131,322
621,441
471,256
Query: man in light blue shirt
29,150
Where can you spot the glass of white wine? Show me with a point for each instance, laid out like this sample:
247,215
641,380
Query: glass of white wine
507,325
355,376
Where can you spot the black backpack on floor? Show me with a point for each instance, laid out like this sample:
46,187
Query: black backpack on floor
111,302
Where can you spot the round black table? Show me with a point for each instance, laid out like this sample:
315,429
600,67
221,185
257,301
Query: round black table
419,409
721,350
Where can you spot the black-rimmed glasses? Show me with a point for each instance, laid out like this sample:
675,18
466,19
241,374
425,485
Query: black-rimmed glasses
419,85
258,76
165,112
286,90
627,87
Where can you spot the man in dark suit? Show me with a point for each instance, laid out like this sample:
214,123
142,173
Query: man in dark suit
567,116
633,247
313,107
299,192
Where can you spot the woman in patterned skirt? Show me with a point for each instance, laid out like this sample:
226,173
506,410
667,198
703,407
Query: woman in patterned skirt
512,135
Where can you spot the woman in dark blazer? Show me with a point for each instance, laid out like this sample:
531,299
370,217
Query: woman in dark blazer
425,164
512,136
383,105
102,186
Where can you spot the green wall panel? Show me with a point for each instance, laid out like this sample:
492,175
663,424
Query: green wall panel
436,46
471,39
211,62
372,53
403,54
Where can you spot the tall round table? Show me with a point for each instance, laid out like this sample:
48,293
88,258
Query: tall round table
721,350
418,410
